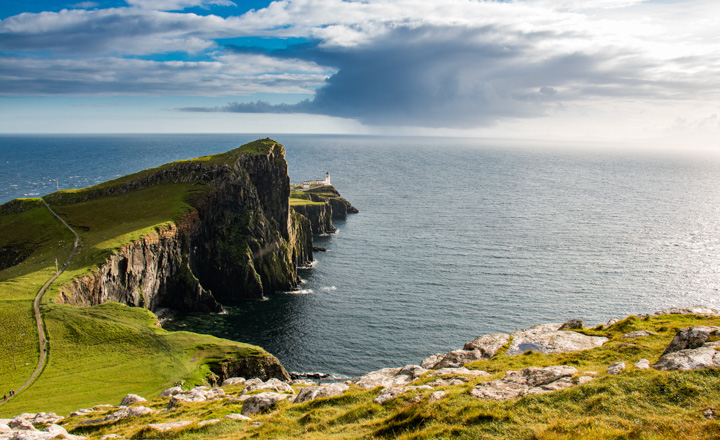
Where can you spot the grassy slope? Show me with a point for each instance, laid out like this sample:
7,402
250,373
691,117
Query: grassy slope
84,341
636,404
35,228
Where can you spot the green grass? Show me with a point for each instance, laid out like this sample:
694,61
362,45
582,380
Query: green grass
107,223
636,404
99,354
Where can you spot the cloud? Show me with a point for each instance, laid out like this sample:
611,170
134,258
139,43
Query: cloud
228,75
177,5
455,63
85,5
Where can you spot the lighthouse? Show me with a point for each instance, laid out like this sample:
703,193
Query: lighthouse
327,178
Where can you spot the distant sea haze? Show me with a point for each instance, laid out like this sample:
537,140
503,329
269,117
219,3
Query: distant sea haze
455,238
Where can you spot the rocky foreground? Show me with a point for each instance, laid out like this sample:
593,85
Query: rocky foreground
241,400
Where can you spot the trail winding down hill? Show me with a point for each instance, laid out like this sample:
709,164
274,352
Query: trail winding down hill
36,305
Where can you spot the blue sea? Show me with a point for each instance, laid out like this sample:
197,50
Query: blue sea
455,237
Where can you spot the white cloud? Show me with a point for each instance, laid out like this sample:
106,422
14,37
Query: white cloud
177,5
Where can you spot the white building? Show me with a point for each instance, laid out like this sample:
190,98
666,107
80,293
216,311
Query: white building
307,184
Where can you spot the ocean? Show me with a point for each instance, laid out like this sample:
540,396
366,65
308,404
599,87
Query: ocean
455,238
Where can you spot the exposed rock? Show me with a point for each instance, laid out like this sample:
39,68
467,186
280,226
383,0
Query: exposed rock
572,324
320,216
458,358
261,402
435,396
459,371
390,377
197,394
392,392
272,384
110,436
312,393
709,414
445,382
132,398
616,368
431,361
693,310
169,426
128,412
691,337
233,381
546,338
20,424
642,364
4,428
690,359
238,417
171,392
637,334
532,380
584,379
262,367
208,422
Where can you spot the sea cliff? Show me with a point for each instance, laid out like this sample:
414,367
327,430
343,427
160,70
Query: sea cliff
236,241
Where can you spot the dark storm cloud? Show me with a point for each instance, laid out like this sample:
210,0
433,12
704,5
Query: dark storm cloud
447,77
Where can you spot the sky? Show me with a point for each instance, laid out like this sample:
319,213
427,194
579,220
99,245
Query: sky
601,70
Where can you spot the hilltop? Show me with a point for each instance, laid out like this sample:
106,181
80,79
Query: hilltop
189,235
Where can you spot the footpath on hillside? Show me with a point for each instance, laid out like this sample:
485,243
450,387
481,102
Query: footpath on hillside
36,307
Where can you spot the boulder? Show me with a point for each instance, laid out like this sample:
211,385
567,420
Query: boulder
261,402
171,392
233,381
546,338
691,337
642,364
532,380
208,422
690,359
275,385
132,398
572,324
20,424
312,393
168,426
390,377
4,428
616,368
431,361
458,358
42,418
197,394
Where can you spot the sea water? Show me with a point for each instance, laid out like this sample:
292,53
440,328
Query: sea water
455,238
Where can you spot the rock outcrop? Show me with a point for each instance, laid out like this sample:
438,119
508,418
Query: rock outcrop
240,240
548,338
692,348
532,380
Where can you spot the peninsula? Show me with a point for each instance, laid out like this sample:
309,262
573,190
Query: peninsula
188,236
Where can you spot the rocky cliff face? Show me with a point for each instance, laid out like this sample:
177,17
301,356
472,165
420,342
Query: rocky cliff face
238,242
320,217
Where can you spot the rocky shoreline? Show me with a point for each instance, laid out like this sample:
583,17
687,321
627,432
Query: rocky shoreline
692,348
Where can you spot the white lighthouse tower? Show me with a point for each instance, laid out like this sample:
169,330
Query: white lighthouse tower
327,178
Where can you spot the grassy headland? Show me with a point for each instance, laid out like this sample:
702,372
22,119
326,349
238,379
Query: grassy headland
97,353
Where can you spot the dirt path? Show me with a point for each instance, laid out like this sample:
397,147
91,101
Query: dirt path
36,306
